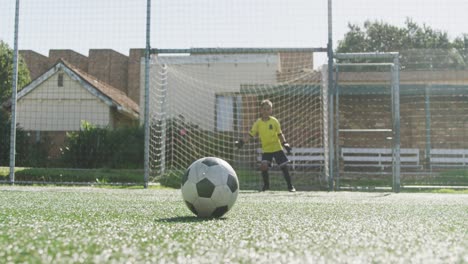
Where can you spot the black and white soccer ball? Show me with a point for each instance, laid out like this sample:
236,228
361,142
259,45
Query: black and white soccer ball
210,187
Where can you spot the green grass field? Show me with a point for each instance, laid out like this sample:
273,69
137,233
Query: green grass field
121,225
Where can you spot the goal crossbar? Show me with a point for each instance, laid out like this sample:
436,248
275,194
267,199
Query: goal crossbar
235,50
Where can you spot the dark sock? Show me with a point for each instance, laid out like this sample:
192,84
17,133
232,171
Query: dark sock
266,179
287,177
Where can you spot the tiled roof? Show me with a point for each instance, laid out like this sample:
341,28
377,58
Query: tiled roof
105,92
116,95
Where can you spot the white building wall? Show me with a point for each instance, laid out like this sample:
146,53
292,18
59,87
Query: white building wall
194,81
52,108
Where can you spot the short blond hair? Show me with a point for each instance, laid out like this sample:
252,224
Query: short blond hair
266,102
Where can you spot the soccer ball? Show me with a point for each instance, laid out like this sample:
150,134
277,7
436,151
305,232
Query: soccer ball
210,187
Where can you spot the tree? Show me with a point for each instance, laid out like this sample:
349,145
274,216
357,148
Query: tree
419,46
24,150
6,72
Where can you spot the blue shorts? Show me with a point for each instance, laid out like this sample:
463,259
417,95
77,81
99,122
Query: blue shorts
279,157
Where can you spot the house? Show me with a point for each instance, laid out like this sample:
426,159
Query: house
58,100
116,69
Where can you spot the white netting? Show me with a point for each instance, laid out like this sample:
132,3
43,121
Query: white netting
200,104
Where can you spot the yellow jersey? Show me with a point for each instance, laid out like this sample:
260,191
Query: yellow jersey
268,132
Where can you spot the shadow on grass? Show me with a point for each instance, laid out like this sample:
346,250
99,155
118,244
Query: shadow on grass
188,219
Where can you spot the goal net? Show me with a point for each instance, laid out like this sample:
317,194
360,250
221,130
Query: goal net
200,103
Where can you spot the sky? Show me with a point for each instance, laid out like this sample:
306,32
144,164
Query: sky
121,24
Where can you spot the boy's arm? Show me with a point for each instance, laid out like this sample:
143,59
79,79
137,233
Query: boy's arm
285,144
253,132
239,143
282,138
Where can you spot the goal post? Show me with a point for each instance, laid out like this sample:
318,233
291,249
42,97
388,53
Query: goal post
202,100
392,69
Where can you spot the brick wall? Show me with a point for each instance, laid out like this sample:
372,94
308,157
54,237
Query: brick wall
109,66
116,69
37,63
78,60
365,112
292,65
133,84
448,121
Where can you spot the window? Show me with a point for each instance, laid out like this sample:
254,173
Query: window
228,113
60,80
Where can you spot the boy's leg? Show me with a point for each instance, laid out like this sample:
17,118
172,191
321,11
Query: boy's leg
283,161
265,175
264,167
266,181
287,177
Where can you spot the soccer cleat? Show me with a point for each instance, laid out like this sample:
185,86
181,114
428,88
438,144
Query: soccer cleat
292,189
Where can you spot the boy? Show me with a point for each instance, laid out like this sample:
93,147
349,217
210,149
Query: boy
272,139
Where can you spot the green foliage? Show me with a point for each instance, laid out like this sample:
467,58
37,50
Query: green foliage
33,153
24,151
5,127
94,147
91,147
419,46
6,72
27,153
